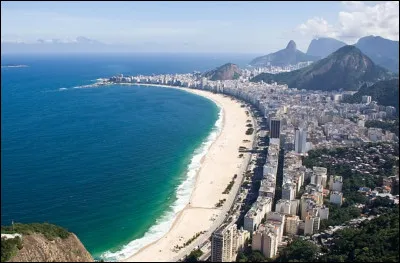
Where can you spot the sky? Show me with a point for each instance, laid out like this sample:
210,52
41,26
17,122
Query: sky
242,27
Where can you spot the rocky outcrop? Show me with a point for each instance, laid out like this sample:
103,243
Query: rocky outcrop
228,71
37,248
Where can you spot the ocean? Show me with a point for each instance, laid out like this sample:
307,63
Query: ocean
111,164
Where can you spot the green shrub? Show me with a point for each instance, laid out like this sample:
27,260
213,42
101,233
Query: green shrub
50,231
10,247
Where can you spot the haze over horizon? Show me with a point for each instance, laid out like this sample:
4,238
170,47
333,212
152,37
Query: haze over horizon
237,27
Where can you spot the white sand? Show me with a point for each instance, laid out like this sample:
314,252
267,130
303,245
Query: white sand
218,168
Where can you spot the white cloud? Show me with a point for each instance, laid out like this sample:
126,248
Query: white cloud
356,21
317,27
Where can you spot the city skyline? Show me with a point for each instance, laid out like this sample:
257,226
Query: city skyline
243,27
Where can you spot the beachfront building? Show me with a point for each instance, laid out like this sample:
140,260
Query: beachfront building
224,243
242,236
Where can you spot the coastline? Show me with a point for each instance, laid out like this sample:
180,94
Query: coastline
221,158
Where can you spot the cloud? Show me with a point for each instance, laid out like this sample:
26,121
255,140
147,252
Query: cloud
317,27
356,21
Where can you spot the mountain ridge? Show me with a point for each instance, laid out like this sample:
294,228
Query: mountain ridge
284,57
347,68
324,46
382,51
385,92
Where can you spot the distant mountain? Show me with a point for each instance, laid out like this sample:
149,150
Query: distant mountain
324,46
347,68
384,92
383,52
228,71
86,40
288,56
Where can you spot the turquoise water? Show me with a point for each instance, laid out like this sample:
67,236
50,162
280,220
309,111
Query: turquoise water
111,164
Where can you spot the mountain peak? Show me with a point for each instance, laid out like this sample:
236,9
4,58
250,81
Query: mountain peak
291,45
384,52
324,46
284,57
347,68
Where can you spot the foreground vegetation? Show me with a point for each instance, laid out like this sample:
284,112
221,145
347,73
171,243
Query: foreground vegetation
50,231
10,247
373,241
194,256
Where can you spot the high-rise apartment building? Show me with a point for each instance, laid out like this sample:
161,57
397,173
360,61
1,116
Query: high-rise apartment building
300,141
292,225
224,243
289,191
336,198
275,128
265,240
311,225
336,183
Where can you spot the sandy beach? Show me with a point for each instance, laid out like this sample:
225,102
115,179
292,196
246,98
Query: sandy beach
218,167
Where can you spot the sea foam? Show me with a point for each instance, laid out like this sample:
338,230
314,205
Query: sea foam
183,193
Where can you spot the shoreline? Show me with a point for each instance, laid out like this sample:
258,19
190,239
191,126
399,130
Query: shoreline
174,210
195,215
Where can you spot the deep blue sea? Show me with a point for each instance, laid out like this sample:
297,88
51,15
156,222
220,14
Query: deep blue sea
111,164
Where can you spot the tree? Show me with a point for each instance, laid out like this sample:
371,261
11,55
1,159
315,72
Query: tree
299,251
194,256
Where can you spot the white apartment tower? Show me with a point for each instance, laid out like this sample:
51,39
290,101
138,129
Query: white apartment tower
224,243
